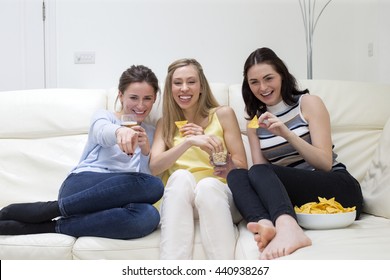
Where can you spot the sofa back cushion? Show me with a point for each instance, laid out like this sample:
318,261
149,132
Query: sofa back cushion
358,113
48,112
376,183
42,134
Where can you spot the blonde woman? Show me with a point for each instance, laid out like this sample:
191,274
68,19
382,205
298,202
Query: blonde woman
195,188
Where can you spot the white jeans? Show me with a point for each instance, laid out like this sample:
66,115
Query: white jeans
211,201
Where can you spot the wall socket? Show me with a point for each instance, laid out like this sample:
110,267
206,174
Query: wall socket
84,57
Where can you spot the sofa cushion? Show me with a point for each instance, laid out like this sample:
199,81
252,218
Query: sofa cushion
48,112
356,125
145,248
34,169
376,183
47,246
366,239
42,135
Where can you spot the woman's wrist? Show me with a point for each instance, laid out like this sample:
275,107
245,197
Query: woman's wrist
145,149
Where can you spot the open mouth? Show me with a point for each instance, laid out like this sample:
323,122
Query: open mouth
268,93
139,112
185,98
139,115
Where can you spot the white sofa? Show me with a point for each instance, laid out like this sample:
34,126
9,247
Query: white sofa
42,134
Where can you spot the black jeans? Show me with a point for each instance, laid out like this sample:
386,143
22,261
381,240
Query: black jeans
266,191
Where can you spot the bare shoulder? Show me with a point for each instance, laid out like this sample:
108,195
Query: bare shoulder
227,117
159,124
310,99
224,111
312,105
311,102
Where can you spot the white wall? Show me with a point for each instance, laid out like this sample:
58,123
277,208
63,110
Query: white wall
219,33
21,45
381,30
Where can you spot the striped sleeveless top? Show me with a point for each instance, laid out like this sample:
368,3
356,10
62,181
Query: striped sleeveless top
275,148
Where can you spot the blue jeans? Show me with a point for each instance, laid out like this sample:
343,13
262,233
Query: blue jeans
111,205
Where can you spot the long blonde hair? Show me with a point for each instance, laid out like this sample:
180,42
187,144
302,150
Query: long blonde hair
172,112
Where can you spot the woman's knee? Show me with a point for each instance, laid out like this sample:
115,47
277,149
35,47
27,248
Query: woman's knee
236,178
206,184
157,188
208,190
259,169
151,218
145,217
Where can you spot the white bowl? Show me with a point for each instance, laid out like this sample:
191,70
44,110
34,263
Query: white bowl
326,221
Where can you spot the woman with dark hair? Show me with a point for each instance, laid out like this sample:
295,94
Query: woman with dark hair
292,154
110,193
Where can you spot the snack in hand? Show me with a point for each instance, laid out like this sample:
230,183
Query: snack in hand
180,124
219,159
254,123
324,206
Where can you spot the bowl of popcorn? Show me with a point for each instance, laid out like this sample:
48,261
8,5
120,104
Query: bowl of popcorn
325,214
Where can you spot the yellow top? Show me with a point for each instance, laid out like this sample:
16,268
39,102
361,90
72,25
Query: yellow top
195,159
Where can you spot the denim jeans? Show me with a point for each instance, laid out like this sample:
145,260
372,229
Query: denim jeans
112,205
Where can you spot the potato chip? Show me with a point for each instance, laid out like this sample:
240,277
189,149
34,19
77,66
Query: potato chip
324,206
180,124
254,123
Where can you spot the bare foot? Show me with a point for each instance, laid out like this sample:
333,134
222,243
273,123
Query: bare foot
264,232
289,238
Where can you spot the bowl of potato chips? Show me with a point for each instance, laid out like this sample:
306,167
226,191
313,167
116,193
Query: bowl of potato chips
325,214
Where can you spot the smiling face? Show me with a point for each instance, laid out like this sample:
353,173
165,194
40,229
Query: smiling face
265,83
138,99
186,87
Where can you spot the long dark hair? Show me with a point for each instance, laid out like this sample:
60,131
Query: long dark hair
289,88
